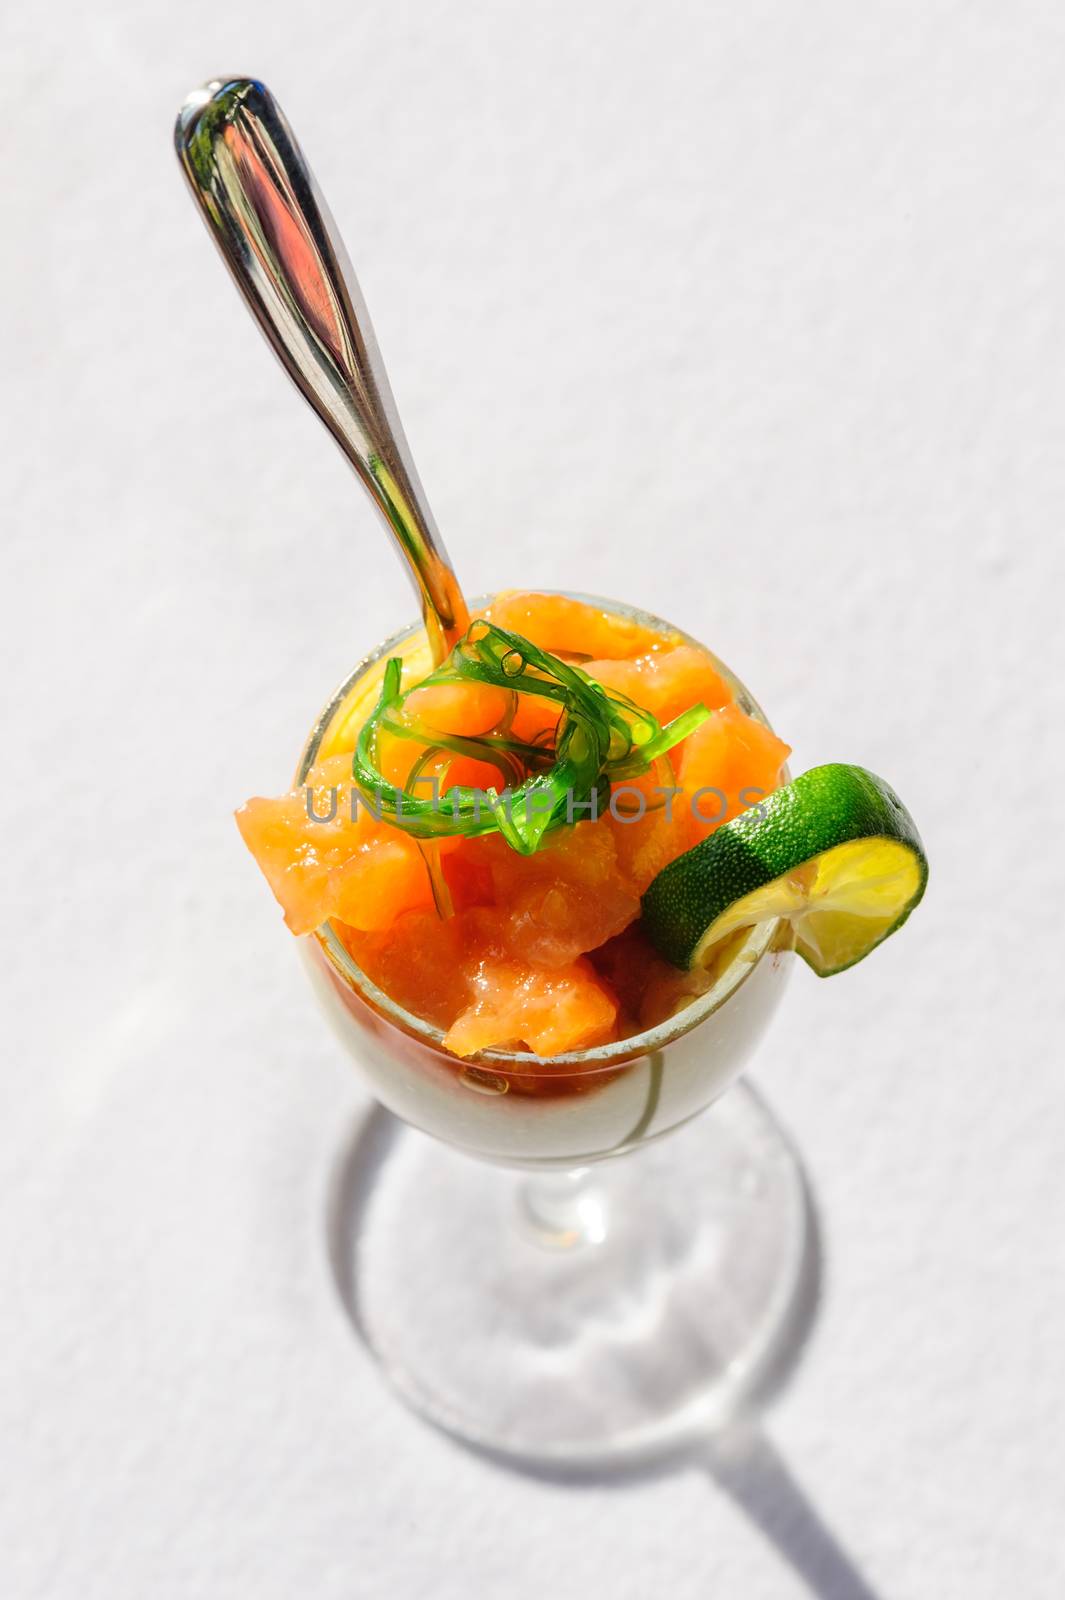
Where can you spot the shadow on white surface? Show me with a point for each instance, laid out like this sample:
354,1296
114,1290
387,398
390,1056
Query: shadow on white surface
744,1462
739,1456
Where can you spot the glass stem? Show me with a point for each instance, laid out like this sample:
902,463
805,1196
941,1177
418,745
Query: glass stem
564,1210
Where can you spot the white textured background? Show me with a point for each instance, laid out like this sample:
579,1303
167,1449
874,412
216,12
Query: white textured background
752,313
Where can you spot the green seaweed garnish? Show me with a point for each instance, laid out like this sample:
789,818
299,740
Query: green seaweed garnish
602,738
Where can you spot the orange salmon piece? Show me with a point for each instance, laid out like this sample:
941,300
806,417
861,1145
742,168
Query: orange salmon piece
362,871
514,1004
734,755
418,962
665,682
569,627
467,708
645,844
563,900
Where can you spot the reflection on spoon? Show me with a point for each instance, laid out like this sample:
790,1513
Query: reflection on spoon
268,219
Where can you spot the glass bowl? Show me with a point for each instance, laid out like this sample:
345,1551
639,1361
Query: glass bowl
613,1293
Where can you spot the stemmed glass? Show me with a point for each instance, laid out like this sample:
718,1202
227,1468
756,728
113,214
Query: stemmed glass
585,1286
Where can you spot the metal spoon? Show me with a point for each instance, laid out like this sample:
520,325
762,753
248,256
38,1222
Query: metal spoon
276,236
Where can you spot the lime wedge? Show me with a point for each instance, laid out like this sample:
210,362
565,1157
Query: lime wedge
835,853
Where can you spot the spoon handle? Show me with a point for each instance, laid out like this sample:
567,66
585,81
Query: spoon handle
271,224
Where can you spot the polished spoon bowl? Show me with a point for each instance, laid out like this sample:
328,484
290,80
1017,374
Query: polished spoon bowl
273,228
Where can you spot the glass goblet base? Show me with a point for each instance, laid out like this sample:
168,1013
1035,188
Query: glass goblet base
562,1317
